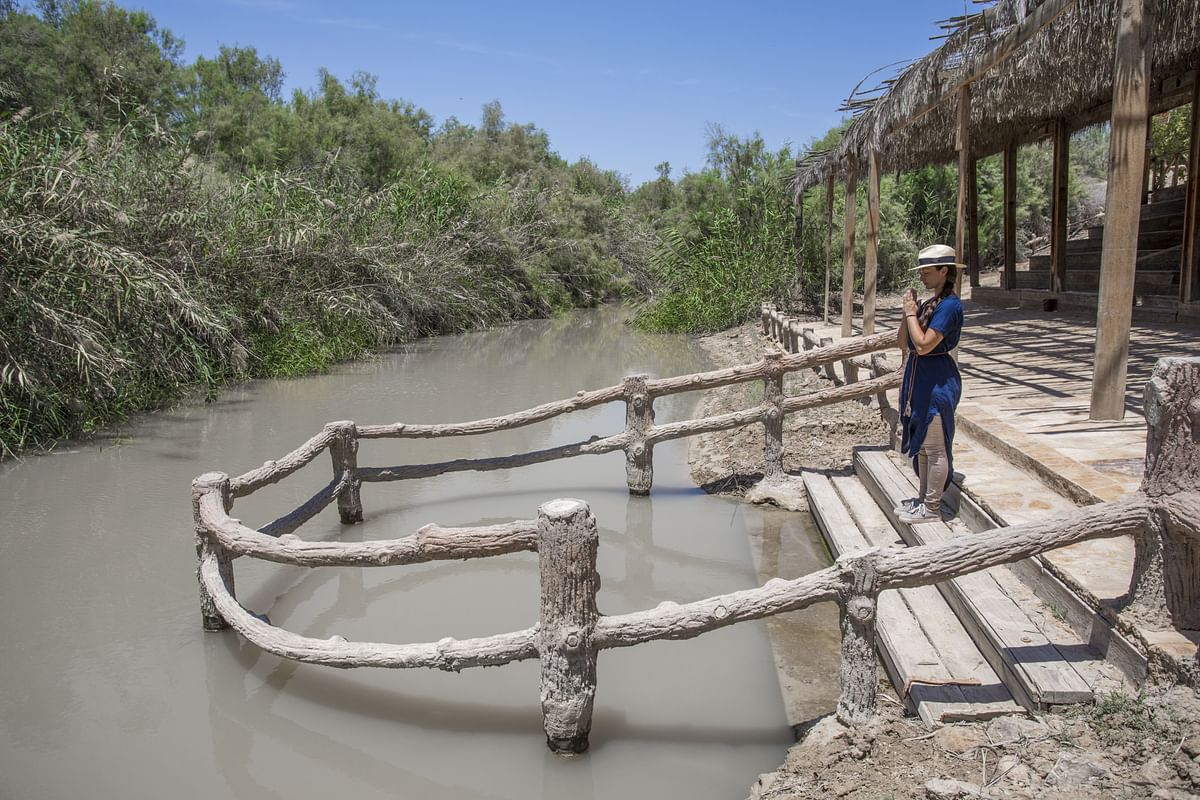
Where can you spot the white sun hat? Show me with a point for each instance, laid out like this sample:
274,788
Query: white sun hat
937,255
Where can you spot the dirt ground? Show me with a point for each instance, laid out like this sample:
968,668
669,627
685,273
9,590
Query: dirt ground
1144,745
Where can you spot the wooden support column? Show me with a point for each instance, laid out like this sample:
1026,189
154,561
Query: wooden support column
1058,207
207,544
848,246
773,423
1010,216
1122,206
567,543
973,221
964,176
799,238
639,418
871,272
856,613
1166,569
343,451
828,241
1189,270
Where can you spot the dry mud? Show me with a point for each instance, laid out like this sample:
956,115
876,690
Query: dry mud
1124,746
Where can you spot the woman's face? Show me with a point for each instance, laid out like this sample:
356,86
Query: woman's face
933,277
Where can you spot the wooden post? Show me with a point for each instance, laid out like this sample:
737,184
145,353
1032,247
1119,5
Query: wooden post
828,240
871,271
766,318
343,451
805,339
799,236
1189,270
1122,206
848,246
827,341
964,175
1010,216
1058,207
973,221
639,418
856,613
567,543
206,543
773,423
1167,562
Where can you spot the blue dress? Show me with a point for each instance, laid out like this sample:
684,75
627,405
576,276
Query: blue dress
932,385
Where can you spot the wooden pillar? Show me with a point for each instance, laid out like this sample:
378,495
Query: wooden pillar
828,240
973,221
639,418
1189,270
871,272
1010,216
1166,568
856,614
964,176
773,418
567,543
1058,207
848,246
343,451
207,544
1122,206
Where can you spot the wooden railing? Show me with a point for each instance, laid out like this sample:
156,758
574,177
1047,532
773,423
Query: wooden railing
1164,517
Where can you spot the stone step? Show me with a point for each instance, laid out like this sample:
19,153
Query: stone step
1033,668
932,662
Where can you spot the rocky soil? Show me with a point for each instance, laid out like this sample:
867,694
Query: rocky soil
1144,745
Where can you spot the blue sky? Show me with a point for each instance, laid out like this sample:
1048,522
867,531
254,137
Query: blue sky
626,84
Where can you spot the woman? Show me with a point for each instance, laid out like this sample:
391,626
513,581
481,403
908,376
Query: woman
931,387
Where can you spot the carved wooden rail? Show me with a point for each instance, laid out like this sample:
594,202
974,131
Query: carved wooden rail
1164,517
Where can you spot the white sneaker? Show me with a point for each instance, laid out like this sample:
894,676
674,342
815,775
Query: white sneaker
920,514
907,506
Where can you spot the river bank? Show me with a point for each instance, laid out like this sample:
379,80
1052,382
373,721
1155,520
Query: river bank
1144,745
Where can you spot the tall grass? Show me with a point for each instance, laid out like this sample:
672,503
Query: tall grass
134,271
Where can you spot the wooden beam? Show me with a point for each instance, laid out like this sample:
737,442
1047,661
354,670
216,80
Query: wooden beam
1010,216
964,169
871,272
1189,270
1122,206
973,221
828,240
848,246
1058,207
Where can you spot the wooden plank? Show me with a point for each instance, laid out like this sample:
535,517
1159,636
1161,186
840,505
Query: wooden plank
871,271
1010,216
848,247
914,666
1032,668
1189,270
1122,207
981,687
1058,207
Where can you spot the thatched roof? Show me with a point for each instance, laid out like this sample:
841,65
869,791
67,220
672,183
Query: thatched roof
1062,70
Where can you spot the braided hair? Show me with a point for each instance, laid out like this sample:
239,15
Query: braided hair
931,305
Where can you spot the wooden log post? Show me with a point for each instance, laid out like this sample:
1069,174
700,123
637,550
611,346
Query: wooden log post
973,221
856,614
1010,216
806,337
766,318
567,543
827,341
871,270
1058,207
828,241
1189,271
343,451
848,246
207,544
1167,562
964,175
773,418
639,419
798,283
1122,206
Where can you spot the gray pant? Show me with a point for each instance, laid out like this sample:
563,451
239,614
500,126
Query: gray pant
933,465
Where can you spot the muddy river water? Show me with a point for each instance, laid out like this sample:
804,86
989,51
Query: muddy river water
110,689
